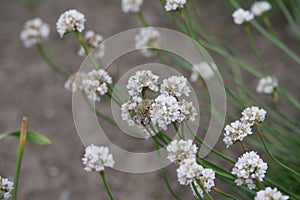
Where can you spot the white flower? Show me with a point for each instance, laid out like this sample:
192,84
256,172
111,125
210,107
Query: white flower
144,79
248,169
174,4
241,16
236,131
181,150
253,115
187,111
147,38
175,86
207,178
205,69
137,111
96,84
69,21
93,42
74,82
97,158
270,194
267,85
164,111
6,188
260,7
189,171
131,5
34,32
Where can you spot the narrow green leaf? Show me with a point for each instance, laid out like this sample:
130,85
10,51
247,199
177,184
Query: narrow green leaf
32,136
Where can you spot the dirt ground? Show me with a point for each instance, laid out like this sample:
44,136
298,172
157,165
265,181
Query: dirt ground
29,87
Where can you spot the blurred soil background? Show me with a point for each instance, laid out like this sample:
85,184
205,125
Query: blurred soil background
29,87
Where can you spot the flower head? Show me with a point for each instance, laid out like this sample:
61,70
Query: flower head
270,194
93,42
131,5
189,171
205,69
74,82
97,158
34,32
241,16
147,38
207,178
175,86
236,131
253,115
260,7
181,150
164,111
69,21
96,84
6,188
267,85
142,80
187,111
174,4
248,169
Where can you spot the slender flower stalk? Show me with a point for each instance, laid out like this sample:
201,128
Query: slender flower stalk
204,190
20,156
222,193
107,188
143,19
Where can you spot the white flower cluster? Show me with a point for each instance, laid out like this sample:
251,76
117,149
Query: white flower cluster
239,129
174,4
69,21
236,131
181,150
34,32
6,188
131,5
96,84
249,168
241,16
207,179
93,42
165,109
97,158
267,85
147,38
270,194
188,171
74,82
204,69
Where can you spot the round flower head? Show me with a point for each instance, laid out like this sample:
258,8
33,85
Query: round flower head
174,4
181,150
95,84
6,188
93,42
236,131
175,86
164,111
74,82
187,111
270,194
267,85
131,5
189,171
142,80
248,169
204,69
137,111
69,21
147,38
34,32
241,16
97,158
253,115
207,178
260,7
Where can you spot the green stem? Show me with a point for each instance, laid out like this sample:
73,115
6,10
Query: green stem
204,190
20,156
229,196
143,19
196,191
108,191
50,63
